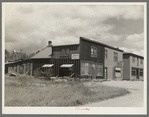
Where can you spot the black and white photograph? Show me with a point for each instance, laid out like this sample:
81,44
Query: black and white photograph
74,58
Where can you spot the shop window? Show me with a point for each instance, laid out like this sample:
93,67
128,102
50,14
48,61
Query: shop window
133,71
137,61
115,56
106,54
99,70
141,72
84,68
93,51
89,68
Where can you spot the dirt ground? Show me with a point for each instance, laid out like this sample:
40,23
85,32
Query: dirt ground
134,99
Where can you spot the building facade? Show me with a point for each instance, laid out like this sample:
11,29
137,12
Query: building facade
85,59
113,63
22,67
133,66
89,59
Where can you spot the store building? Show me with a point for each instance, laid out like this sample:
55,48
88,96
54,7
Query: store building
85,59
133,66
89,58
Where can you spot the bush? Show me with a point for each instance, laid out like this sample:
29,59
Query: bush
47,73
40,73
37,72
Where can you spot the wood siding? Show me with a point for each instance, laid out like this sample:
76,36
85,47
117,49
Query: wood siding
110,64
21,67
126,67
38,63
61,55
128,64
135,65
65,51
85,54
85,51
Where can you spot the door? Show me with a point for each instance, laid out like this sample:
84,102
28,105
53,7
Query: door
93,71
106,73
137,74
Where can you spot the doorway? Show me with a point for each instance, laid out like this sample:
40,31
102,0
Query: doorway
137,74
106,77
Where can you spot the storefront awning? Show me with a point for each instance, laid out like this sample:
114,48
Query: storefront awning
66,65
47,65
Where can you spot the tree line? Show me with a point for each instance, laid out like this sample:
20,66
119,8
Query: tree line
17,56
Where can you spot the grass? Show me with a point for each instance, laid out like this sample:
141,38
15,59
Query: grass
27,91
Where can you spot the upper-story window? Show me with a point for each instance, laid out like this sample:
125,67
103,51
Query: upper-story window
141,61
106,54
93,51
133,59
137,61
115,56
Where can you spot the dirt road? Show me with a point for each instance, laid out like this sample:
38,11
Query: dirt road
135,99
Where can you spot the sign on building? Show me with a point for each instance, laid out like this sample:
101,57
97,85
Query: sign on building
75,56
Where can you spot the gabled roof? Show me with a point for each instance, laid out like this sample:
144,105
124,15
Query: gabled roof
45,53
132,54
105,45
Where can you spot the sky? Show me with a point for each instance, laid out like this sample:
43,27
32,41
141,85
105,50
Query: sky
29,26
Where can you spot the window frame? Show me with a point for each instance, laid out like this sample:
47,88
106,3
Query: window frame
133,69
115,56
106,54
93,51
141,61
133,59
140,72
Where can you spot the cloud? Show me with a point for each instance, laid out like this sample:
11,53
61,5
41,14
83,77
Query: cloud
135,40
133,50
110,37
31,26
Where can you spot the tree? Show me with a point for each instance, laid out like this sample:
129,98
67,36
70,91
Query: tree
7,55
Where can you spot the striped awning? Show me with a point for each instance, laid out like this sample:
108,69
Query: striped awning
47,65
66,65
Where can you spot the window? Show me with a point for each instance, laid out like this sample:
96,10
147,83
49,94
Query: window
99,70
84,68
93,51
133,59
141,61
137,61
118,72
106,54
133,71
89,68
115,56
141,72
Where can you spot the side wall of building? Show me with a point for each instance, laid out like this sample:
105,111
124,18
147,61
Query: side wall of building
126,67
110,63
21,67
137,65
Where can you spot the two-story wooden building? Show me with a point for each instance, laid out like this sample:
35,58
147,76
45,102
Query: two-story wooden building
133,66
89,58
85,59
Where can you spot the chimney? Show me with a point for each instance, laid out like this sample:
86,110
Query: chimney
49,43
